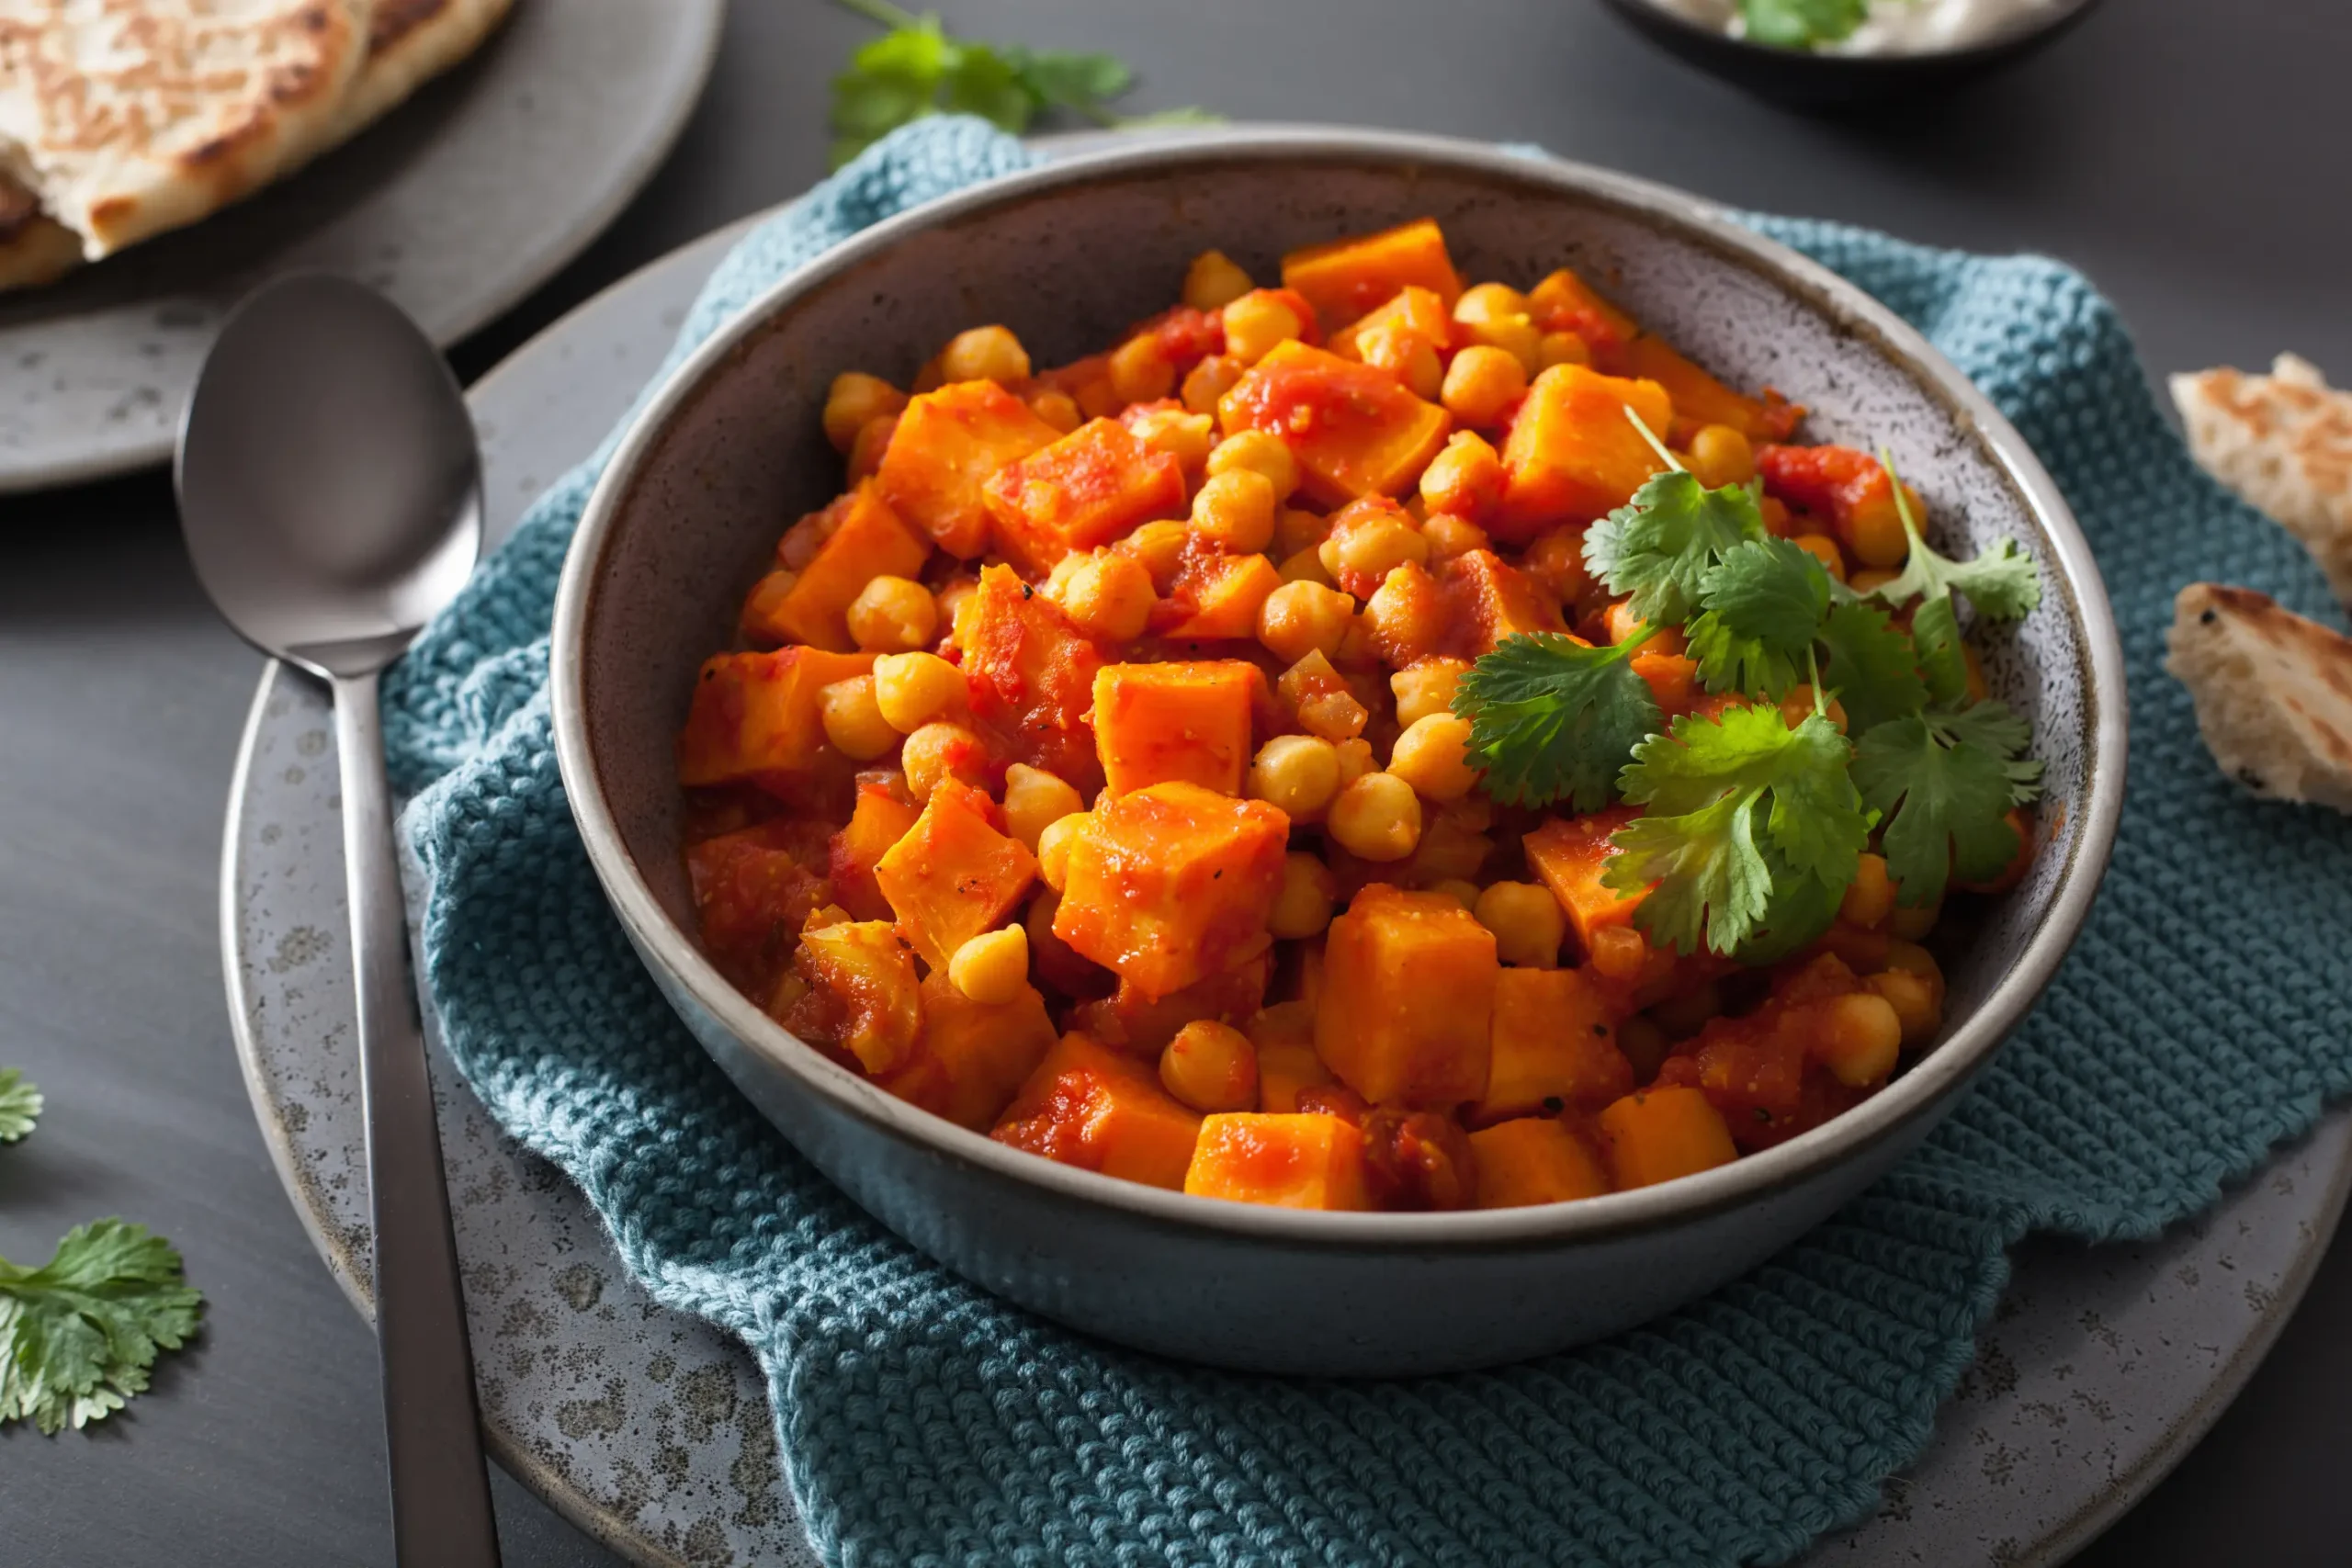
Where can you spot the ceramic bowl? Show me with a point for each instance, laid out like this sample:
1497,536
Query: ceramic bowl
1808,80
730,449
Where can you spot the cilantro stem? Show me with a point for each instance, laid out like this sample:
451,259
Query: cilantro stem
1665,454
882,13
1902,501
1813,669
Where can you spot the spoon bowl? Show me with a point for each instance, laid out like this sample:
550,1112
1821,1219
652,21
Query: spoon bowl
329,483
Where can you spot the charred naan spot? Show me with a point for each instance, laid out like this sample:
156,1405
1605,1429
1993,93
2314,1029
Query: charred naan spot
2253,781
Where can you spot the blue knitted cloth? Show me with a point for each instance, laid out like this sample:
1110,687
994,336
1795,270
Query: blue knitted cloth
2203,1017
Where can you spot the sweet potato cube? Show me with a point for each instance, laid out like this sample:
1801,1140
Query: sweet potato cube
1487,600
1572,454
1172,882
1289,1161
1563,302
1344,279
1352,428
753,890
1698,399
1534,1160
939,457
1568,853
971,1056
1129,1022
1031,674
1216,596
1089,1106
757,713
1284,1036
1408,998
1555,1040
1656,1135
878,820
1092,486
954,875
1415,315
862,996
1157,722
866,541
1673,680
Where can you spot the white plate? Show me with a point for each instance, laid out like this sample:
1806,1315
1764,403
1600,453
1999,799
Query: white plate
457,204
2102,1367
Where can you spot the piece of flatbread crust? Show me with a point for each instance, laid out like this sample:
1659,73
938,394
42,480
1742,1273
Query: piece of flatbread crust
409,43
34,247
2283,442
132,116
2273,692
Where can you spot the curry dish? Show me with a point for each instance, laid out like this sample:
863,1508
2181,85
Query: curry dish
1365,743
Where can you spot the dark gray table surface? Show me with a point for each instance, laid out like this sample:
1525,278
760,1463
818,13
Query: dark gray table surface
2186,153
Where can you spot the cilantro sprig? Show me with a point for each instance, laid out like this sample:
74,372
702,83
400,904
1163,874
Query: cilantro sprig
1801,23
20,1105
918,68
78,1334
1740,811
1945,782
1552,719
1659,547
2003,582
1764,603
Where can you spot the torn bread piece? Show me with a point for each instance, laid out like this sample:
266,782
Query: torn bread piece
2284,443
409,43
2273,692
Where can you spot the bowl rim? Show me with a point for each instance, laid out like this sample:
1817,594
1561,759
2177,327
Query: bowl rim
1968,1045
2034,32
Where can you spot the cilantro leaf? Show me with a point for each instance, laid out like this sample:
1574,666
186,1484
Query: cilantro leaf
917,68
1800,910
1935,632
78,1334
1872,667
1945,784
20,1105
1764,603
1800,24
1717,794
1552,719
1659,547
2003,582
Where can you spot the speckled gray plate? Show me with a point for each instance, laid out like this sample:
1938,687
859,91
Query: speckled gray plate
460,203
650,1429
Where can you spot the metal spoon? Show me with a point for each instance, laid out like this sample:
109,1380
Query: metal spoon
330,489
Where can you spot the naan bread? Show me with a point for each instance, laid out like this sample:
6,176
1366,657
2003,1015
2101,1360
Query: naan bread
133,117
2283,442
409,43
2273,692
34,247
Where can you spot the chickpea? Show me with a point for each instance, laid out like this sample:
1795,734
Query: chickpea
1869,897
1619,952
1557,560
941,751
1298,774
1378,818
1481,383
1915,1000
1858,1039
1870,579
1300,618
1561,348
1367,547
1034,800
1797,706
1426,688
1433,755
1053,848
1211,1067
992,968
873,440
1159,549
1875,527
854,399
1404,616
854,723
1721,455
1912,959
1490,302
1186,438
1416,363
1108,595
1057,409
1450,536
1528,923
1495,315
1235,509
1305,566
1623,626
1465,477
913,689
1303,906
1297,531
1911,923
1206,383
1256,323
1822,548
1140,372
1355,760
984,354
1261,451
953,602
1214,280
1777,519
891,615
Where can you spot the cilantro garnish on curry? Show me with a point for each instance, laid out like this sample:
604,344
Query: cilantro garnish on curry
1364,743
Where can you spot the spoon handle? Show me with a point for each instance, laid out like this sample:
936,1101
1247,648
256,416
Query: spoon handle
441,1509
